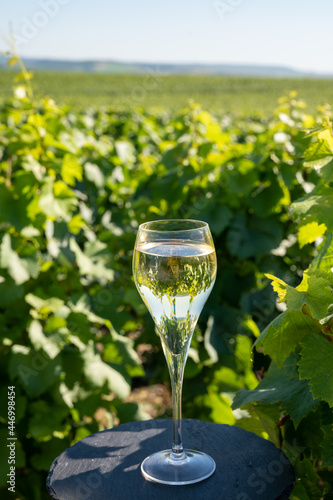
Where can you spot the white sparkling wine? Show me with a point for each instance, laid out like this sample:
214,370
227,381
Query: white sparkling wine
174,279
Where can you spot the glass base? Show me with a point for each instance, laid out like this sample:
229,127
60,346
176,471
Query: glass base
168,468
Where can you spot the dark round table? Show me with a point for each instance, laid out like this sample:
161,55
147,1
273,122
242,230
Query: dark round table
106,465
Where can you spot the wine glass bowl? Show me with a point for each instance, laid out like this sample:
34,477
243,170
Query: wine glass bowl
174,268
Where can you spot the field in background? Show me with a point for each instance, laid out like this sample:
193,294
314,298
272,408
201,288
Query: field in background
221,94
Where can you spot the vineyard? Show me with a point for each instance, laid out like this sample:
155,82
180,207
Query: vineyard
76,339
217,94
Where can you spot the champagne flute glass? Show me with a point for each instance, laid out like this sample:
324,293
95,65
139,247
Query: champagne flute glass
174,267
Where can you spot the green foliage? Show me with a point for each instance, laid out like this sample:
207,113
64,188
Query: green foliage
74,186
300,340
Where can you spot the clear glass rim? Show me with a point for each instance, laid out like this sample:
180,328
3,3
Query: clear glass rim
199,225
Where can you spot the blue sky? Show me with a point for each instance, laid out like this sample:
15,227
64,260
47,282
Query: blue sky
296,33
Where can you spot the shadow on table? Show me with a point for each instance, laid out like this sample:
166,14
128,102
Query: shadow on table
105,477
106,465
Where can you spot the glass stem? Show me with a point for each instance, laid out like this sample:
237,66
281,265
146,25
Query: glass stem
176,338
177,384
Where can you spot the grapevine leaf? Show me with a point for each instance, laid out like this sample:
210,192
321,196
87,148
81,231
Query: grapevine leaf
268,199
283,334
316,365
120,350
45,306
320,154
46,453
130,412
299,493
281,385
318,204
242,179
39,340
279,286
322,148
93,260
327,445
10,260
13,210
46,421
254,237
36,371
94,174
10,292
57,200
71,169
324,259
99,373
218,218
308,233
262,421
314,292
307,488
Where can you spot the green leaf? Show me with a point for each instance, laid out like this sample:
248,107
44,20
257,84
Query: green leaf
93,260
320,154
99,373
36,371
227,380
13,211
219,406
243,177
57,200
253,237
76,224
45,306
47,451
9,260
269,197
217,216
281,386
10,293
50,344
283,334
327,446
72,366
120,350
133,298
279,286
261,420
71,169
79,325
318,204
130,412
316,365
94,174
308,487
322,148
47,422
324,259
308,233
314,292
299,493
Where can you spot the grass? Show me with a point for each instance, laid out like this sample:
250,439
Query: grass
214,93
